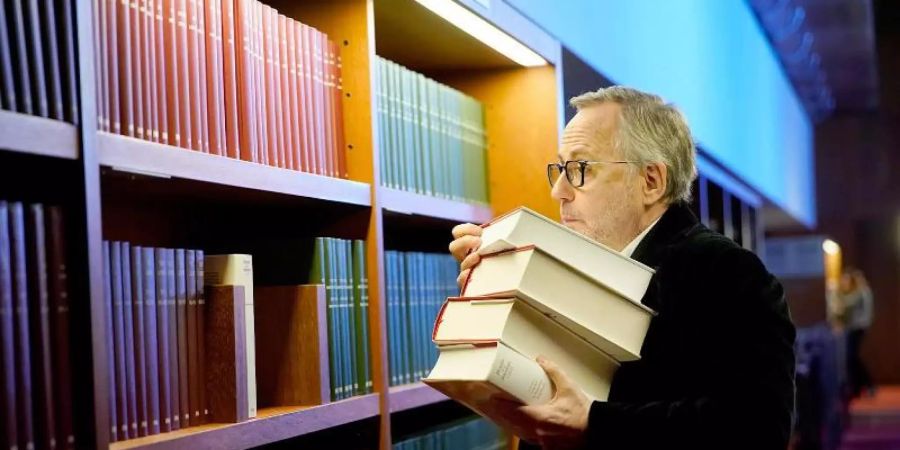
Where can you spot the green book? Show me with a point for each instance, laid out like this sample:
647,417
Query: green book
391,291
416,147
361,309
381,98
394,124
353,350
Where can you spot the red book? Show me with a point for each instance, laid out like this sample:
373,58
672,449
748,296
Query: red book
8,424
322,144
100,66
156,68
309,101
194,384
183,82
246,104
220,73
230,46
131,82
151,344
271,101
201,332
128,349
261,92
274,31
36,55
328,105
287,107
182,334
201,93
22,339
113,63
67,42
134,286
166,411
149,100
39,324
195,97
293,106
210,44
8,91
339,112
167,68
58,291
52,57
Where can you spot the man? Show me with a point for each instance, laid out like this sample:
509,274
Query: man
717,365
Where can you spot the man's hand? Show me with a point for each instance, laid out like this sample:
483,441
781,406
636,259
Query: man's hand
557,425
466,239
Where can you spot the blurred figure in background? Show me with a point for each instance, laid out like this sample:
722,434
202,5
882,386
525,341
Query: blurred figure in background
857,309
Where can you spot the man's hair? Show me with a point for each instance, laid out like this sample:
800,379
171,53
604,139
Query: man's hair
650,130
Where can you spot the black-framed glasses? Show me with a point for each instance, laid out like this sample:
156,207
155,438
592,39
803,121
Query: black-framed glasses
574,170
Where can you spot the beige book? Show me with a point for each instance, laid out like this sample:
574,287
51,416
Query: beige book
237,270
588,308
471,374
523,226
531,333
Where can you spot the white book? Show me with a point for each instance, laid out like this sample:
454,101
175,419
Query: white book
523,226
471,374
528,331
588,308
237,270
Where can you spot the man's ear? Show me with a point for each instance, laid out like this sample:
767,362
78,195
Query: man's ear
655,179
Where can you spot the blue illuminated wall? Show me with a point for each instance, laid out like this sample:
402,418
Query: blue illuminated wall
711,59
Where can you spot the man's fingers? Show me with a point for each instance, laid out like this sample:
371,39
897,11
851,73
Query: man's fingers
470,261
464,229
462,246
557,376
461,279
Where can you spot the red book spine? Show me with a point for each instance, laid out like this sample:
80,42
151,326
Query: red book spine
339,111
113,63
131,77
180,274
328,102
198,47
8,423
275,32
172,72
184,76
293,85
157,51
201,330
271,101
195,97
100,62
58,289
39,318
231,45
286,106
172,312
150,99
261,93
309,112
211,42
244,116
220,74
320,96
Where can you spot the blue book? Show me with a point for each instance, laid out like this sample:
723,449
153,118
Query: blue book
162,335
148,283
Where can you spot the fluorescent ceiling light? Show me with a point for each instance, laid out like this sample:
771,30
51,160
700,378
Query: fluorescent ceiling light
480,29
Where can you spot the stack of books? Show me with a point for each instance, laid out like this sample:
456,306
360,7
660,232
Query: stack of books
540,289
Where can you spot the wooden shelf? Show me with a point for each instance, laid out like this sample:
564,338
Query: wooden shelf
411,396
127,154
270,425
38,136
410,203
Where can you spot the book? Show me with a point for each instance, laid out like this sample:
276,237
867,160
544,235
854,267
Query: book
166,408
36,56
19,44
39,328
134,282
67,44
522,327
523,226
194,383
237,270
8,422
472,374
114,434
147,274
58,291
171,308
181,314
7,89
226,376
129,350
52,57
118,316
609,321
199,269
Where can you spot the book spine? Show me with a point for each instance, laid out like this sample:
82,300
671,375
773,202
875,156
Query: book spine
339,111
36,55
114,75
303,99
350,349
319,102
183,74
128,350
391,280
174,343
114,434
219,73
200,76
166,408
327,106
8,422
67,43
281,152
131,77
230,46
284,95
151,343
20,55
181,330
122,407
39,327
290,83
201,330
209,45
58,291
135,286
146,61
8,92
193,384
52,57
166,70
262,154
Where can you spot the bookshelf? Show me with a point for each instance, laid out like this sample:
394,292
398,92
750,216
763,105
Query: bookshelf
38,136
154,194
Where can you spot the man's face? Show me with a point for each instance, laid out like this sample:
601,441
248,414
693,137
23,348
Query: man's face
608,207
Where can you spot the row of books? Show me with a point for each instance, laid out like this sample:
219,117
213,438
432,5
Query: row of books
37,58
416,285
526,298
155,342
35,365
229,77
432,138
340,264
469,434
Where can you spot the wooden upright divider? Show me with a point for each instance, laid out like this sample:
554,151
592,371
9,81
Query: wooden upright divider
226,363
292,345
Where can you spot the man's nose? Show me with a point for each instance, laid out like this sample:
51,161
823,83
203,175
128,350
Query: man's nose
562,190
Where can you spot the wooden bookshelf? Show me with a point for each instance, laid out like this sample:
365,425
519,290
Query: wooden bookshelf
412,396
38,136
149,158
411,203
271,425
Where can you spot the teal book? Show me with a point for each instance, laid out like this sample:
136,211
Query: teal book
381,125
409,154
425,140
403,309
361,311
354,385
411,81
415,305
390,288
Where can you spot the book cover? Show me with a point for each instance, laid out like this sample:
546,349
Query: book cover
36,57
52,57
8,423
134,281
129,350
194,384
226,378
8,94
39,328
114,434
181,332
167,411
151,342
174,343
58,291
121,380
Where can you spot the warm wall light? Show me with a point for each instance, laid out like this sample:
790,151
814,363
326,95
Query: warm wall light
480,29
830,247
